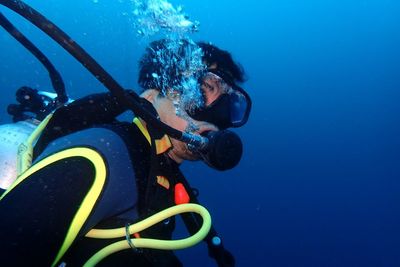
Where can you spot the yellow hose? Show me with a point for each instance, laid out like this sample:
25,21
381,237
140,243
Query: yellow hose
150,243
25,150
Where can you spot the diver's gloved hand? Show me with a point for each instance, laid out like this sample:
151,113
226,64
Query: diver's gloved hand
222,256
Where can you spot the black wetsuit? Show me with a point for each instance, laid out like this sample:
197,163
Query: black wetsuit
38,213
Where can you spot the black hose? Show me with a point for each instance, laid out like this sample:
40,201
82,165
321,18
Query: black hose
55,77
130,101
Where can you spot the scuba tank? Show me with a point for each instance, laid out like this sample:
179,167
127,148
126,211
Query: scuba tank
30,117
11,136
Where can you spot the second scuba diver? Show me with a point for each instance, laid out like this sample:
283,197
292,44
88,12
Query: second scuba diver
91,170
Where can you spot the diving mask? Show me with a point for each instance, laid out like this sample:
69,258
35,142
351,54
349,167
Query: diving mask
231,108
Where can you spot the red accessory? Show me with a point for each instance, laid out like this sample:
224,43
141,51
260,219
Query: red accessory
181,196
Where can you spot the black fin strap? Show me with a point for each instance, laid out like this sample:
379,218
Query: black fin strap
193,223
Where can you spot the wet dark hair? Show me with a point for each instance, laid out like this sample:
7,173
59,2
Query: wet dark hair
150,67
224,62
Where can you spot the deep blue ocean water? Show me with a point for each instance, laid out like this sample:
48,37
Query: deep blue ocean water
319,181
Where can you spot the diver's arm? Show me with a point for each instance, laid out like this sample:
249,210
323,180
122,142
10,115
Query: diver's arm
83,113
92,109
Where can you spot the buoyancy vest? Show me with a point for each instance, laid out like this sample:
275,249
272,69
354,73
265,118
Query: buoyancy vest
155,180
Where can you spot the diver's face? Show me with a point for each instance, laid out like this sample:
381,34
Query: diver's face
167,112
212,87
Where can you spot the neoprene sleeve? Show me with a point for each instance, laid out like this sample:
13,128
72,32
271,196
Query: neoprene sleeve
85,112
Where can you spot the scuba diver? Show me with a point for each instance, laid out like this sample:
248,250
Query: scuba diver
93,172
141,175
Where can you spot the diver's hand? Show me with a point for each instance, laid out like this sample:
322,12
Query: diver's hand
222,256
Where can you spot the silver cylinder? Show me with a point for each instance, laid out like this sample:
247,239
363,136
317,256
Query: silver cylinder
11,136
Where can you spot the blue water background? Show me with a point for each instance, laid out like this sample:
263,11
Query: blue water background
318,184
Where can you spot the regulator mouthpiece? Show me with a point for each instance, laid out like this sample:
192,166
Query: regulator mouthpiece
224,150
